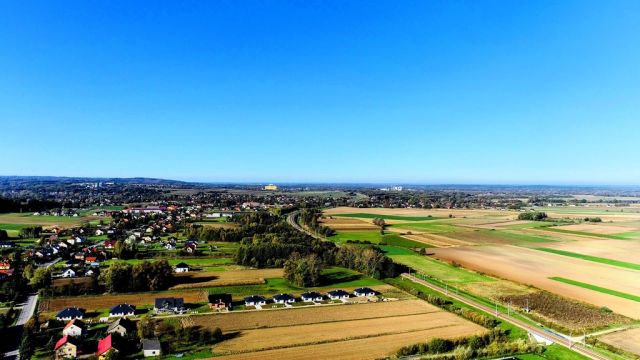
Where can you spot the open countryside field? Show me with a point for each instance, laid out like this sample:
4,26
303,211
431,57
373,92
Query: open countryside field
439,213
200,279
99,302
628,340
354,327
528,266
45,221
235,321
610,249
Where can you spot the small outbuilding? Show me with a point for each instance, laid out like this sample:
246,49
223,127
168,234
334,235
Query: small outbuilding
151,347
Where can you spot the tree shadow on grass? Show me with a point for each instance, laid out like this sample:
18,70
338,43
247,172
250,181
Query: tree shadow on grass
338,277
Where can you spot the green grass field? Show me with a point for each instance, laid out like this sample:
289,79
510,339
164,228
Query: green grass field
332,278
435,227
375,237
440,270
601,260
597,288
554,352
200,262
387,217
518,237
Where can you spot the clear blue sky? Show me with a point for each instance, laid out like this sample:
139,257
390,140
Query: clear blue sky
533,92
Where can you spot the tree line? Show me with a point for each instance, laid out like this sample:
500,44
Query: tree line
533,216
143,276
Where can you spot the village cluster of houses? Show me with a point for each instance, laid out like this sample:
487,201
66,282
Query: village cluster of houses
57,212
72,344
311,297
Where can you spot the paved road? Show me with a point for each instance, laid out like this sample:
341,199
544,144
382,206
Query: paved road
28,309
579,348
292,220
50,263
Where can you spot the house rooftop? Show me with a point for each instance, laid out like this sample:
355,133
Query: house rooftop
71,312
122,308
150,344
105,345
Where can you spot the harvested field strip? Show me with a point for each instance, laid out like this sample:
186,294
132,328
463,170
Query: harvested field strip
373,347
95,302
628,340
291,317
430,227
200,279
583,233
272,338
601,260
386,217
597,288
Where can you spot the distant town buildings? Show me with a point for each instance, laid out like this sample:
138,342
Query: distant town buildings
271,187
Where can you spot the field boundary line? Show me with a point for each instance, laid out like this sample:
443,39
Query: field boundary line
583,350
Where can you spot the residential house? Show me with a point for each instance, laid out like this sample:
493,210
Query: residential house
122,326
284,299
170,246
190,248
5,264
151,347
182,267
105,346
75,327
220,301
254,300
338,295
364,292
7,244
99,232
169,305
66,347
122,310
70,314
311,296
109,244
68,273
